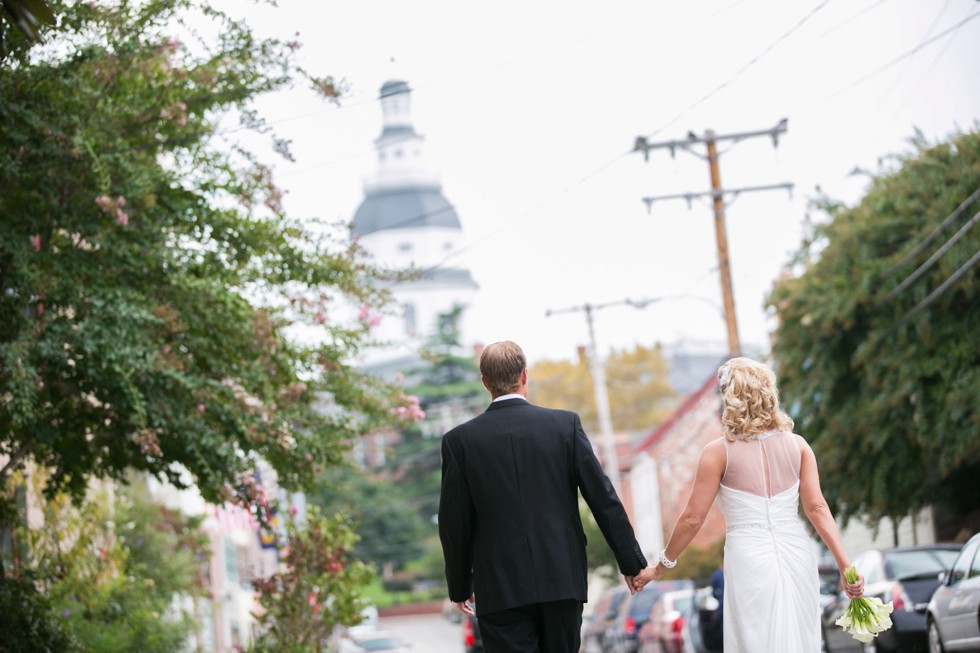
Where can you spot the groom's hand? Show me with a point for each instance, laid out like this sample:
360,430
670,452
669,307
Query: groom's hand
630,583
466,607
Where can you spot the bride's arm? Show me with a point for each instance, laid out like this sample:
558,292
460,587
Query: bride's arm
711,467
818,512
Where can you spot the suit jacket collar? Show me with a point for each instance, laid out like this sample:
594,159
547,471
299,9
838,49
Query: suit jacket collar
507,403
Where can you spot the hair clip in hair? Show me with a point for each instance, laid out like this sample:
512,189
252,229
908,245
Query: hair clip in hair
724,375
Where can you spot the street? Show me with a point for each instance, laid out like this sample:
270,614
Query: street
429,633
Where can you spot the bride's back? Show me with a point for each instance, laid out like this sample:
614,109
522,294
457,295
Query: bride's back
764,465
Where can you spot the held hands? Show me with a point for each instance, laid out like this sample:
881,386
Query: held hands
647,575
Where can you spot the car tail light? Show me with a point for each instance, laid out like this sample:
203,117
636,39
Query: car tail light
469,639
900,600
678,626
629,625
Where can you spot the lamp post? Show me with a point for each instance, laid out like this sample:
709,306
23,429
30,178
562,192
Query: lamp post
597,370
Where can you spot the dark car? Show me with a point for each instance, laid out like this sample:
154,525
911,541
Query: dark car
634,611
953,614
605,611
906,576
704,624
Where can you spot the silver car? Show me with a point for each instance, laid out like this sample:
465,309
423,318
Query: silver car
953,614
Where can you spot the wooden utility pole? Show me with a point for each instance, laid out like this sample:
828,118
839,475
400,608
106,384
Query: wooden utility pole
717,194
721,238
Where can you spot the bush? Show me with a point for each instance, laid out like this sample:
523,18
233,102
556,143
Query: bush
28,623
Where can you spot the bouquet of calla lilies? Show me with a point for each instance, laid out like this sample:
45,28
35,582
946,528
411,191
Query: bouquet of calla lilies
864,618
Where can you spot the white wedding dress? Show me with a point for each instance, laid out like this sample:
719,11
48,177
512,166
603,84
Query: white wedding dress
771,587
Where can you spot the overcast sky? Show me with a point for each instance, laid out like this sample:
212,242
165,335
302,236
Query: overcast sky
530,110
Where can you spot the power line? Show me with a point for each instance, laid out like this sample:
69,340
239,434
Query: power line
935,257
741,70
935,232
850,20
903,56
935,294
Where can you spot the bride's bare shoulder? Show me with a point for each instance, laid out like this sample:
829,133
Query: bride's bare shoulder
715,449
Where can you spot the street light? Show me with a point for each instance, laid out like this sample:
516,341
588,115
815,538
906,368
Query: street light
597,369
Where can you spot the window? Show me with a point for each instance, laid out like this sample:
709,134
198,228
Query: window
409,313
961,568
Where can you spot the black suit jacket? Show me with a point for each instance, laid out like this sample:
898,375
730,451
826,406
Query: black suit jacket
508,510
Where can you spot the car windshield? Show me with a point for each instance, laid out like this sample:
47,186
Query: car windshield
380,644
684,604
643,601
919,562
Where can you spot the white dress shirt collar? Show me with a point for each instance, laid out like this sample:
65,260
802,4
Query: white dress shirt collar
510,396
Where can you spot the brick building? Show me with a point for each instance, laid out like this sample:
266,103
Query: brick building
662,468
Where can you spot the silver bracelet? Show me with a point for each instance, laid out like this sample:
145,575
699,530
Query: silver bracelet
669,564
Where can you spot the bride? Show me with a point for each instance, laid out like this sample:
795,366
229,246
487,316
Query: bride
760,471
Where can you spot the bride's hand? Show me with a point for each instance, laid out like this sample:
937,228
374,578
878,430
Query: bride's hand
646,575
853,590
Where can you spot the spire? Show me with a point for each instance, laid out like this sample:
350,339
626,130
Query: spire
400,161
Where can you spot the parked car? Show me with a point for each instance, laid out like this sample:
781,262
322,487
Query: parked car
381,641
634,611
451,612
605,611
953,614
472,640
906,576
704,628
666,629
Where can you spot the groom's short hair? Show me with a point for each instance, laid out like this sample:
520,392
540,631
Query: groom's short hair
501,364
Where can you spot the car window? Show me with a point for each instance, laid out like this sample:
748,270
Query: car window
643,601
975,568
685,604
614,604
868,565
961,568
918,562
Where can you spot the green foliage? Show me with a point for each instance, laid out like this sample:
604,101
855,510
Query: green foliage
148,272
28,622
697,563
27,16
110,568
888,397
637,385
599,557
388,520
451,374
316,589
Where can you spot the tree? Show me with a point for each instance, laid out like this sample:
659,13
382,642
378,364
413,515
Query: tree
315,590
27,16
389,524
148,271
111,568
879,363
636,381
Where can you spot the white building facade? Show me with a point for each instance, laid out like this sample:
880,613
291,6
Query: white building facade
405,222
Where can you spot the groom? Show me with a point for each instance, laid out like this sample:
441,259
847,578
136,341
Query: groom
509,520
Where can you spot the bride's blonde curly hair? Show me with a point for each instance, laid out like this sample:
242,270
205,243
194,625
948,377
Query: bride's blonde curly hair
751,399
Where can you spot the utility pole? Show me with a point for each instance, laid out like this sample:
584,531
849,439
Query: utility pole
717,194
597,369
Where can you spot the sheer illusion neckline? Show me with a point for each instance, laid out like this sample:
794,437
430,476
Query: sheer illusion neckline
763,436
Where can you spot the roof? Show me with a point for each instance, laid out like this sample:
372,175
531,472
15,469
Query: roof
686,406
404,208
394,87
